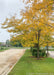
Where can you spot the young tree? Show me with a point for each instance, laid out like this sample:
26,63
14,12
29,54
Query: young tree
7,43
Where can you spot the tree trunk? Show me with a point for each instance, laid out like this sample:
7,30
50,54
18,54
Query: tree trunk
47,51
38,52
38,45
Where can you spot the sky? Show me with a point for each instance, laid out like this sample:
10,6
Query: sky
8,8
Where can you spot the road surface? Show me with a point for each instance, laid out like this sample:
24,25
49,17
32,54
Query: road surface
51,54
8,58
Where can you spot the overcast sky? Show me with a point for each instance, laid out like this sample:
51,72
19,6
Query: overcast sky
8,8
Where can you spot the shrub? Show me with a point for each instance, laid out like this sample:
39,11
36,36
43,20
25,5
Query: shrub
42,53
2,48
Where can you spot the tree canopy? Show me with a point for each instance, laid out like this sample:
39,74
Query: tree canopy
36,25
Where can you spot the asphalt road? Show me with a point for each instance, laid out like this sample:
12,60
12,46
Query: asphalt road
8,58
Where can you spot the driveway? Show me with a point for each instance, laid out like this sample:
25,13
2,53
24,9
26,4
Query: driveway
8,58
51,54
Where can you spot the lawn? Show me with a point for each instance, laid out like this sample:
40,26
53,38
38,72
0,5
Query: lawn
3,48
20,47
30,66
6,48
51,49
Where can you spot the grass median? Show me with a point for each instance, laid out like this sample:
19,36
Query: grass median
28,65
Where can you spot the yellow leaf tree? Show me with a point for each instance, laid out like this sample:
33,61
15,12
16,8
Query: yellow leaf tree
34,25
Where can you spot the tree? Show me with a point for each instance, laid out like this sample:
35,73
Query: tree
48,41
34,24
15,42
7,43
0,43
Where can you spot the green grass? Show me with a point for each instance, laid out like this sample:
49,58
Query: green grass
20,47
30,66
51,49
3,48
6,48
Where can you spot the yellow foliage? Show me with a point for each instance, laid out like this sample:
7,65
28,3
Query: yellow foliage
35,23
